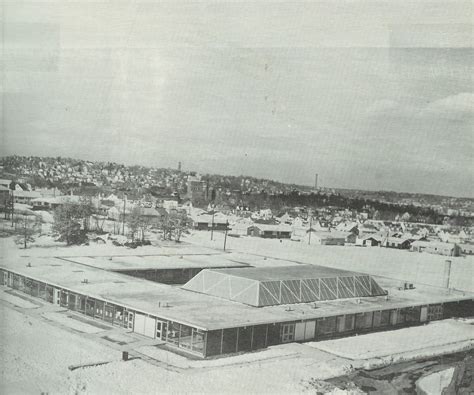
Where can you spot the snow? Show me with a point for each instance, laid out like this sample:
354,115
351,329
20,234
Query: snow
70,322
435,383
282,351
36,356
414,340
17,301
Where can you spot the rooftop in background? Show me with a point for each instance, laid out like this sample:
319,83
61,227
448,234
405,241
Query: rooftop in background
157,262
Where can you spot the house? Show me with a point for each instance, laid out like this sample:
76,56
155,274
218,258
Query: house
397,242
351,227
218,221
25,197
270,231
467,249
368,228
327,238
240,228
50,203
284,218
349,237
369,240
435,247
4,197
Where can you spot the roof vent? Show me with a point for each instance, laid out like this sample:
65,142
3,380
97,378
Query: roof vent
85,281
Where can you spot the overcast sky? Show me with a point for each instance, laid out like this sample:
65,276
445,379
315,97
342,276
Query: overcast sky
374,95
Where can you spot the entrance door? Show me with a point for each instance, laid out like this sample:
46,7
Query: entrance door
130,320
5,278
57,296
161,328
287,333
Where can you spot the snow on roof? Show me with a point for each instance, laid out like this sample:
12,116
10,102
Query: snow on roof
268,286
205,311
287,272
28,194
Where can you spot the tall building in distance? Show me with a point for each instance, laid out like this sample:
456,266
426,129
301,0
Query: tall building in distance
316,181
196,188
179,166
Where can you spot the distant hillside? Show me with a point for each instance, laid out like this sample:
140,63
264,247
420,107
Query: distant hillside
69,172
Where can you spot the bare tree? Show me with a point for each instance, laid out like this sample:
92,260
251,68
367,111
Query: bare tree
26,229
139,223
174,225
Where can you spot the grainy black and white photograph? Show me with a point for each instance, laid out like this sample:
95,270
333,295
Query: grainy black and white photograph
236,197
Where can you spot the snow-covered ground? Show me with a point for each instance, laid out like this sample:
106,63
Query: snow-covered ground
35,355
415,341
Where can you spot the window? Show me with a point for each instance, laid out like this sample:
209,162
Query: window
185,337
363,321
326,326
435,312
213,346
90,307
385,318
287,332
173,333
350,322
198,340
229,340
118,314
259,336
245,339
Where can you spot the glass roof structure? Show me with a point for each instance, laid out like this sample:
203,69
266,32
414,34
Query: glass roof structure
283,285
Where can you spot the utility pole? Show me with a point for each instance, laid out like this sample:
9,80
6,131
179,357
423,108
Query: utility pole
123,214
212,224
310,226
13,206
225,235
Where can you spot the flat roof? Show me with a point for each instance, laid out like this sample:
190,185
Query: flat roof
156,262
208,312
288,272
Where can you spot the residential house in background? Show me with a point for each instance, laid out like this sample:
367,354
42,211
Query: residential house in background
434,247
397,242
280,231
327,238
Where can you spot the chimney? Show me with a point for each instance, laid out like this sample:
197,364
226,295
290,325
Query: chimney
447,273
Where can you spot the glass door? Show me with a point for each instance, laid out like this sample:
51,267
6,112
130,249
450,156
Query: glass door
161,328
